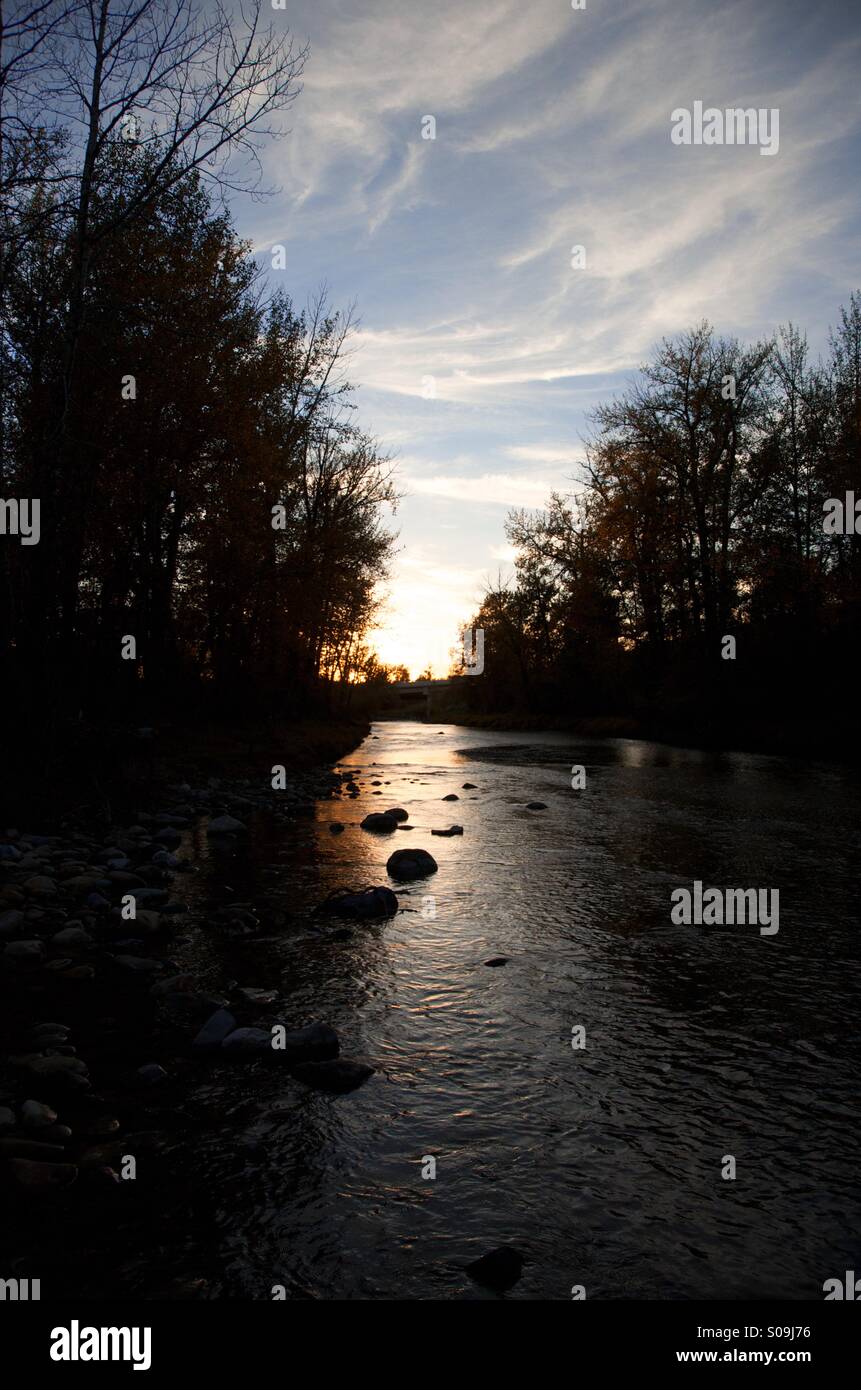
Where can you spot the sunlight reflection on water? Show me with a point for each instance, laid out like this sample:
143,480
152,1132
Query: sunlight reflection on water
603,1165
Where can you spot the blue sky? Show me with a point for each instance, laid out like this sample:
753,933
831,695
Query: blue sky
552,130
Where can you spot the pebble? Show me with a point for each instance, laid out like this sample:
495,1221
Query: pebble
29,1148
34,1115
11,922
24,951
140,964
150,1074
37,1177
41,885
74,937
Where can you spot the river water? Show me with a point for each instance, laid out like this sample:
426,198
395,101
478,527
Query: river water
602,1164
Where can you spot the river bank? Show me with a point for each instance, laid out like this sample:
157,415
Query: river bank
101,1003
779,738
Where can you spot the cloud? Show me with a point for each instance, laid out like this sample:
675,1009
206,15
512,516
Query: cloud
506,554
491,489
545,453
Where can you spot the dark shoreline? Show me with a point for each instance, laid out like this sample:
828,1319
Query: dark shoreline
823,743
97,1024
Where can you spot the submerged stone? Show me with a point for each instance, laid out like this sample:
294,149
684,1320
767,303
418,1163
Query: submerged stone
338,1077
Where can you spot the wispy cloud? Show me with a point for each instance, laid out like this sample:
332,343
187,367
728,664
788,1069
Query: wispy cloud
491,489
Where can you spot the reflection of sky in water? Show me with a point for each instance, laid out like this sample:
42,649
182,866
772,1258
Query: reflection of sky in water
604,1165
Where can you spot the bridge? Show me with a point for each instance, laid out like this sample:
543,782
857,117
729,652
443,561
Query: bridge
421,693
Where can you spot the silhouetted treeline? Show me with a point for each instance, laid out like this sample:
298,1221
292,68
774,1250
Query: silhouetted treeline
203,486
701,517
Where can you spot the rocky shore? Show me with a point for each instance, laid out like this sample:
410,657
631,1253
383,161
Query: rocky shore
100,1016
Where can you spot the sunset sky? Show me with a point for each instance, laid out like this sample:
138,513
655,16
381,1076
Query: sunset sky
552,130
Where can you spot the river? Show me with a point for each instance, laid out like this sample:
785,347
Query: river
602,1163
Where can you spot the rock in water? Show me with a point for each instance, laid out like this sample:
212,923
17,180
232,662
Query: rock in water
27,952
337,1076
411,863
370,902
316,1042
247,1042
73,938
34,1115
397,813
469,787
452,796
452,830
150,1074
222,825
336,827
536,805
10,922
214,1031
380,823
498,960
30,1149
51,1066
41,1177
498,1269
142,965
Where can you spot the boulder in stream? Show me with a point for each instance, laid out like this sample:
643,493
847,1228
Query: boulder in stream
222,825
380,823
498,1269
337,1077
362,905
411,863
214,1031
316,1042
